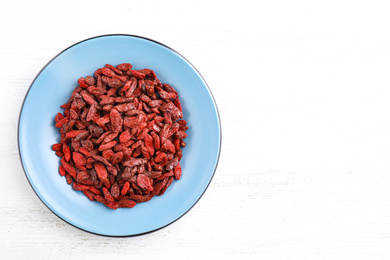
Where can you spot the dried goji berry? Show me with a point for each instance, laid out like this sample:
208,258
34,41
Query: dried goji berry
59,153
69,169
84,151
67,153
170,146
62,170
77,186
134,162
177,171
88,98
107,195
82,175
180,135
108,154
106,146
166,95
101,171
100,199
169,88
57,147
121,78
79,159
169,182
126,203
107,72
136,74
69,178
112,82
153,174
87,144
92,112
101,159
81,82
159,157
125,188
112,170
144,182
164,176
159,185
94,190
96,91
75,133
61,122
171,108
58,117
115,190
125,136
89,80
113,205
117,158
177,103
124,66
117,71
130,87
116,120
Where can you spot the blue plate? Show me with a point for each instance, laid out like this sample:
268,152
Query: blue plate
52,87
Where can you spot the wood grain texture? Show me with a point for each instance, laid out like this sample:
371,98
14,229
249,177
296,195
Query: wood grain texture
303,93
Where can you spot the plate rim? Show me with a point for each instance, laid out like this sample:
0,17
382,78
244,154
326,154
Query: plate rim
133,36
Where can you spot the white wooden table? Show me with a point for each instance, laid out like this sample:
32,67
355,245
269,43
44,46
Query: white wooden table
303,90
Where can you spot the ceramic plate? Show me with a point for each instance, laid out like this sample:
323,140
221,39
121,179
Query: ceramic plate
52,87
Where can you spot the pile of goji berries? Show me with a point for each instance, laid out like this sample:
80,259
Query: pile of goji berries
122,131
